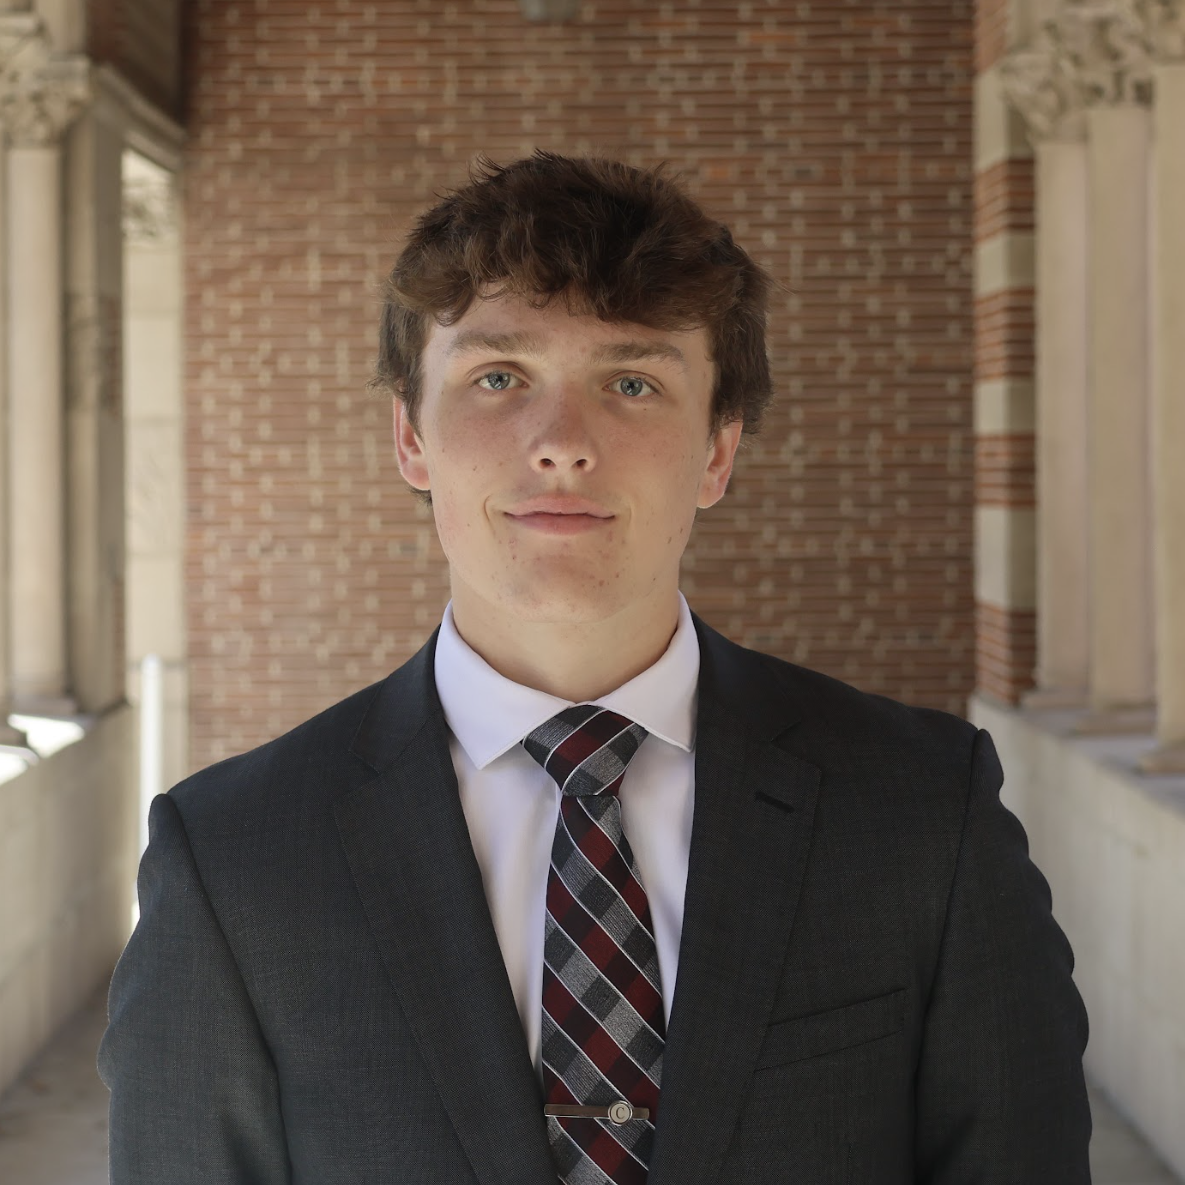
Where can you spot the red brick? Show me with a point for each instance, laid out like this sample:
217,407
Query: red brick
842,129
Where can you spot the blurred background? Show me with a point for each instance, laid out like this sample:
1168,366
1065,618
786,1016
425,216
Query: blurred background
967,494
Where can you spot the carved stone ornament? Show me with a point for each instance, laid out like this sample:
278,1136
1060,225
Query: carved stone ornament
1165,21
149,212
40,93
549,10
1092,51
1108,46
1039,81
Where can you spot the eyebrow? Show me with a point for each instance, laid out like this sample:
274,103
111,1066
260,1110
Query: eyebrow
473,341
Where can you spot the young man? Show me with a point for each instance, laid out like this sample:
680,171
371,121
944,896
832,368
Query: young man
585,890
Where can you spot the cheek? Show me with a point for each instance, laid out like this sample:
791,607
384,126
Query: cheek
464,471
460,453
676,474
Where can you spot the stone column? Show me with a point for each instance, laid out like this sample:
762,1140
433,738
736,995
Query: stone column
1106,47
1168,387
1063,646
39,97
95,609
9,736
1121,603
1040,83
1093,350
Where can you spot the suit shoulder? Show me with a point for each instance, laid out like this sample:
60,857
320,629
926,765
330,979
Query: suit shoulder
866,721
283,764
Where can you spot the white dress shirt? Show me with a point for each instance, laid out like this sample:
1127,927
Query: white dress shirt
512,804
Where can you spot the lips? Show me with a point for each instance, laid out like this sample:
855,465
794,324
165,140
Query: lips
560,504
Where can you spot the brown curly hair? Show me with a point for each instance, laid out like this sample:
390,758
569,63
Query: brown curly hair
622,243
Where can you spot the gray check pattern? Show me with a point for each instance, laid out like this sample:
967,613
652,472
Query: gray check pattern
603,1025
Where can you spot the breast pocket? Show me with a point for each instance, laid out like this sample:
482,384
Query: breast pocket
837,1028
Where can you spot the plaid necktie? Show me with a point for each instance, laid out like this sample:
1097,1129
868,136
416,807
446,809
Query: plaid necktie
603,1028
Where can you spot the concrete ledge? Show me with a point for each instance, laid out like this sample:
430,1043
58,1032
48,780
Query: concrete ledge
68,839
1111,842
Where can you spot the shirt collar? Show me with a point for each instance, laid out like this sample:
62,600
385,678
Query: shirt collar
489,714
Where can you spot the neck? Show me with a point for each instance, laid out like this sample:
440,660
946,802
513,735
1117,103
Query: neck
575,661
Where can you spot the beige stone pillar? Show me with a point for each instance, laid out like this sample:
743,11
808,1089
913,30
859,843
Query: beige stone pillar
1063,638
40,97
1121,602
37,512
94,418
1168,394
1040,82
9,736
1096,593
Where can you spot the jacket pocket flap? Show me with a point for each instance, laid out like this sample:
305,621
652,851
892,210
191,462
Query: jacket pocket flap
837,1028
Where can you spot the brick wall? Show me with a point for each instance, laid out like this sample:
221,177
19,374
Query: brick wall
835,137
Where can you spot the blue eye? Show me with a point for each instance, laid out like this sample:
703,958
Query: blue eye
635,385
503,375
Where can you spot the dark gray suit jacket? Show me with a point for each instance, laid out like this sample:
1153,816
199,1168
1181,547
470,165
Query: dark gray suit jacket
871,987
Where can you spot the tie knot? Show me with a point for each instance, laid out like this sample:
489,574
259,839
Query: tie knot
585,748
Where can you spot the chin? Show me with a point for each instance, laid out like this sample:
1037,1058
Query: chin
563,602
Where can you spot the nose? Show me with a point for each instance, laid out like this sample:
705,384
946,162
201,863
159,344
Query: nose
559,434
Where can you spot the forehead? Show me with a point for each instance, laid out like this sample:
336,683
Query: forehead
509,324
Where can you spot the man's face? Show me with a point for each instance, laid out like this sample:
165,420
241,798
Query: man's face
566,458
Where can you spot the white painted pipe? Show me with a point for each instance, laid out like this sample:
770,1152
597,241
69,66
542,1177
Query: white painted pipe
152,739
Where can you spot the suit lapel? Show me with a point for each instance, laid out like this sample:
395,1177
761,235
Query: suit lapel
751,829
408,846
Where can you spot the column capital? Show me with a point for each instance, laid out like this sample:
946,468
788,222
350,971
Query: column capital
1109,49
1091,52
1040,82
149,208
41,93
1165,20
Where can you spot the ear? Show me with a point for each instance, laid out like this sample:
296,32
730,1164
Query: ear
409,450
721,450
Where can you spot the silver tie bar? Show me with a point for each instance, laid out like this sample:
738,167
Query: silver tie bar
618,1113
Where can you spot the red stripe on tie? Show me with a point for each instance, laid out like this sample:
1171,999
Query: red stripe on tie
614,1160
601,1065
557,1000
554,1088
576,748
602,951
606,858
586,1032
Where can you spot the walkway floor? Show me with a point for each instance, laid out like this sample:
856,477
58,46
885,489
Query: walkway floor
53,1123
